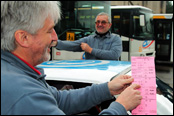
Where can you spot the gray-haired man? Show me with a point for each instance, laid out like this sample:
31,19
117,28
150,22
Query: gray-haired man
101,46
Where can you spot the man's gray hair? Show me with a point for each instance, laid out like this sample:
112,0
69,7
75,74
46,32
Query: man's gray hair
106,14
25,15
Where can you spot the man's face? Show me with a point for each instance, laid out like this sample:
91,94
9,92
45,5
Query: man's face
45,38
102,25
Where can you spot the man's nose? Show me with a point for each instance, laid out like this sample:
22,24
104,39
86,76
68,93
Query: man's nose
100,24
54,36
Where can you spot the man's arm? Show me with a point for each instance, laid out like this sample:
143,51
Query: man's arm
70,45
75,101
79,100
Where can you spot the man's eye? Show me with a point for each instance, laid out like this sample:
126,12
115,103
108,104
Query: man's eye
50,31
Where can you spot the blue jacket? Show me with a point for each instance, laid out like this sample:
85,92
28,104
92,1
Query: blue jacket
23,91
108,47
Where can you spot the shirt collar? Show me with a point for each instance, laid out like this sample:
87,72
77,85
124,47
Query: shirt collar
105,36
28,64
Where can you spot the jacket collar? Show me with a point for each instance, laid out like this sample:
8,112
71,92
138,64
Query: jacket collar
107,35
21,64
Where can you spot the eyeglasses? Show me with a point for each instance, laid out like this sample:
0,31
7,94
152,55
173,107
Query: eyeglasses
102,22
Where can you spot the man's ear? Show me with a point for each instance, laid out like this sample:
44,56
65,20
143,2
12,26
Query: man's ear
22,38
110,25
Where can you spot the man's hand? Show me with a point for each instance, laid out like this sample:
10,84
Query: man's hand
118,84
130,98
86,47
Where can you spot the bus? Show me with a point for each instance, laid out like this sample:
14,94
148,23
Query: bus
163,31
134,24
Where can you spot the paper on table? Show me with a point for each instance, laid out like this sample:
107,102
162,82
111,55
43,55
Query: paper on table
143,72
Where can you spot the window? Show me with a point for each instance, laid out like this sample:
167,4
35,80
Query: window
143,32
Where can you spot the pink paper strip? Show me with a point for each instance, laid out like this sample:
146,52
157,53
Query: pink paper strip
143,72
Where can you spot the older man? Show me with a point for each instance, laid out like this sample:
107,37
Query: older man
27,34
101,46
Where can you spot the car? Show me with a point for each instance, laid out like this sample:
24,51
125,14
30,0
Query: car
73,74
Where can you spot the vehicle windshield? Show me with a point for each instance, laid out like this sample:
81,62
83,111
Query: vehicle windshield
143,32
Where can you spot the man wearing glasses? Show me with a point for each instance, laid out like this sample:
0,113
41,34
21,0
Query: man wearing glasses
101,46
